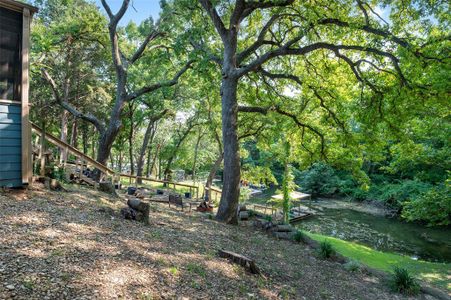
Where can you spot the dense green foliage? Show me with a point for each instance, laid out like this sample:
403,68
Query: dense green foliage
360,125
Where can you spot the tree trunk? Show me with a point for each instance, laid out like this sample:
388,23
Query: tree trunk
154,161
74,134
149,156
211,175
130,140
196,151
42,151
227,211
120,161
148,137
63,136
182,137
84,138
107,138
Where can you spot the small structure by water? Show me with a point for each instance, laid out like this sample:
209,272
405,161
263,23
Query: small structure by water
299,212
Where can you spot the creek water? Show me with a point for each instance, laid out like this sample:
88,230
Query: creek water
383,233
377,231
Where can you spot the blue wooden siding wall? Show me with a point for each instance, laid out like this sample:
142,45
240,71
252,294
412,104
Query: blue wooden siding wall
10,145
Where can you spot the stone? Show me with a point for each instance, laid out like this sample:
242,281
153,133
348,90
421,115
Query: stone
10,287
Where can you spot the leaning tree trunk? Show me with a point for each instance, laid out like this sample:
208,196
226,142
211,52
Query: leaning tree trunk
231,186
106,140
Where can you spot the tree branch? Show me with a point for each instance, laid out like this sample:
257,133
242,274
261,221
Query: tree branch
156,86
76,113
214,16
265,110
150,37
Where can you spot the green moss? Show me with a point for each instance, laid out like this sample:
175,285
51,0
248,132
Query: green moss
437,274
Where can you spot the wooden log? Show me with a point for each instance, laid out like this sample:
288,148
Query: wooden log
244,215
107,187
243,261
142,207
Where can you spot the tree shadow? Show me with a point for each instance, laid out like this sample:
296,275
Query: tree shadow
68,245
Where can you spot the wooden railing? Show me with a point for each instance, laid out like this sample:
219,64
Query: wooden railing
85,160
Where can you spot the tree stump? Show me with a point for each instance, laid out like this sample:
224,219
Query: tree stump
243,261
142,209
108,188
52,184
244,215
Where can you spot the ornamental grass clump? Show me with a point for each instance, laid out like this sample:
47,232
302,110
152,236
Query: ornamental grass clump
326,250
299,237
403,282
352,266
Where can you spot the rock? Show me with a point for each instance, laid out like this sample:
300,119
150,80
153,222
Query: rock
10,287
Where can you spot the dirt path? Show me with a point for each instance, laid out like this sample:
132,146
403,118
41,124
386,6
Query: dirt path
74,246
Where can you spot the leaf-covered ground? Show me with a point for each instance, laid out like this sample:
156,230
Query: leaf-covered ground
56,245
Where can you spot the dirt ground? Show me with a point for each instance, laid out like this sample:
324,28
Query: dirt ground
74,245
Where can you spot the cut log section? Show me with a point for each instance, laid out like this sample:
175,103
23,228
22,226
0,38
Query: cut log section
243,261
136,210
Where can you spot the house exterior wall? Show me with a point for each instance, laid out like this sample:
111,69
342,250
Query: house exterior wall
15,129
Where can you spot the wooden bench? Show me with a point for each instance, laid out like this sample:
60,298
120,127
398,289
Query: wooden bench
177,200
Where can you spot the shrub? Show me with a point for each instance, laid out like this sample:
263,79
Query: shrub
352,266
403,282
433,206
320,179
268,218
299,236
359,195
395,194
326,250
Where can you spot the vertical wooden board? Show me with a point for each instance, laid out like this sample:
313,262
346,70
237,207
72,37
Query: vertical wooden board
26,130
